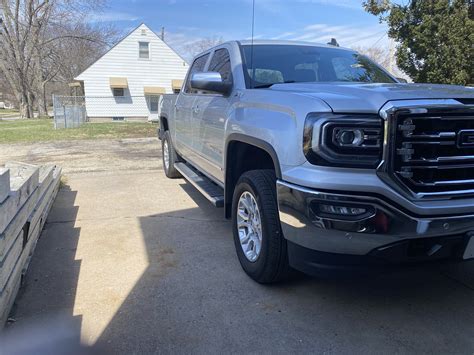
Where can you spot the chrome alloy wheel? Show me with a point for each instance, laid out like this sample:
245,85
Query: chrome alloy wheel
249,226
166,155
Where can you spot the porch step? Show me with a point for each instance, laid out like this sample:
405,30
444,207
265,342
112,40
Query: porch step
214,193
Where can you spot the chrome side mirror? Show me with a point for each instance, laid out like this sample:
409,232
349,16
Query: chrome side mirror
210,82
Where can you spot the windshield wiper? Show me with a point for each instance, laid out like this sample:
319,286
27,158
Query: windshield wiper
266,86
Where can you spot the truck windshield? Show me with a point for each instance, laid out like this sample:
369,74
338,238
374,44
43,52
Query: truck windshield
274,64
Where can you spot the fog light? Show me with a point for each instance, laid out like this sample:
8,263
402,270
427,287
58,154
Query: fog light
342,210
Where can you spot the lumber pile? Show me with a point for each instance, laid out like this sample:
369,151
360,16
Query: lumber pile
26,195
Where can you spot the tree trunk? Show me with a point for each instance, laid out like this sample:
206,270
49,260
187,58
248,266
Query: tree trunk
30,101
24,111
41,102
45,100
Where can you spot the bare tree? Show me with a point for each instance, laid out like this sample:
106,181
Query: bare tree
22,26
194,48
384,57
378,54
32,37
68,53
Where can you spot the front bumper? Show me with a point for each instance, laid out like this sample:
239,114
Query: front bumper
385,234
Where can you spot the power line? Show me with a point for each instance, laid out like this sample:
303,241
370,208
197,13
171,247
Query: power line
366,37
377,41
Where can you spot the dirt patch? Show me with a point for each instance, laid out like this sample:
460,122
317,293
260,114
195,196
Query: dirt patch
89,156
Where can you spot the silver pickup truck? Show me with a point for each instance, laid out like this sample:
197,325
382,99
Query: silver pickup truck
323,160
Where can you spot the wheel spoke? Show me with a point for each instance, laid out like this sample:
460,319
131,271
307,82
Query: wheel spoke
244,236
249,226
243,214
246,204
166,154
244,224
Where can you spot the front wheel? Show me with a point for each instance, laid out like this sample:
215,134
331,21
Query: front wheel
259,242
169,157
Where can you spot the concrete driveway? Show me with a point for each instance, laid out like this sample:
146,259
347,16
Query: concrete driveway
137,263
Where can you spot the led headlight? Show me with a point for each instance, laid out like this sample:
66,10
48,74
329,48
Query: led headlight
343,140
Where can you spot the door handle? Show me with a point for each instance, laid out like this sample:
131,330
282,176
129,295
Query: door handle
196,109
178,107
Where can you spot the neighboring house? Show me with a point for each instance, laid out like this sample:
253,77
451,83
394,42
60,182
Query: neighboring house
5,105
4,102
126,82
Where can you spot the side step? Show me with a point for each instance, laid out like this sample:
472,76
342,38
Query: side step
214,193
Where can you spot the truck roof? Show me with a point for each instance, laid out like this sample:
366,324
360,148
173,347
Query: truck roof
282,42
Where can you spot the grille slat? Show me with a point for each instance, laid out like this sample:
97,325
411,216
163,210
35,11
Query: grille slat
435,152
440,160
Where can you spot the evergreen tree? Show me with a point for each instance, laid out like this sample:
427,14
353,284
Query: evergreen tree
436,38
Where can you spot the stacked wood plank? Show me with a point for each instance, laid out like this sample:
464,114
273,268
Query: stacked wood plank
26,195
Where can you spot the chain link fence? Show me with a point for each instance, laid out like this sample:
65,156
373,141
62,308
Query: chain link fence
73,111
69,111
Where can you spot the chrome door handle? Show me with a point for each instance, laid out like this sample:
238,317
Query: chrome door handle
178,107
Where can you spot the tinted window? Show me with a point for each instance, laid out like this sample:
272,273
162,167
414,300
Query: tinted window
220,63
197,67
271,64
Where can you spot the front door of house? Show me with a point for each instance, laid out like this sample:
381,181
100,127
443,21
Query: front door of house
153,103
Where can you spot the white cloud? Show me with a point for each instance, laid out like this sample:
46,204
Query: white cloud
349,4
284,35
281,4
112,17
180,42
347,36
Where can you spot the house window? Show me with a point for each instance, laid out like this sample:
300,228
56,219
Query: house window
143,50
118,92
153,102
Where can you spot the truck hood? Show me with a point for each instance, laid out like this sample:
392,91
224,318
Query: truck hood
360,97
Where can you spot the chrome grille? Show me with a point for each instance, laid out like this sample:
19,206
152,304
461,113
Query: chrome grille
434,151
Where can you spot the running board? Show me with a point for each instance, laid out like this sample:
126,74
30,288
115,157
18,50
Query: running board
211,191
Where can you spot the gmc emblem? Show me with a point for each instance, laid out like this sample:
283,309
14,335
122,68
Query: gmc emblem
466,138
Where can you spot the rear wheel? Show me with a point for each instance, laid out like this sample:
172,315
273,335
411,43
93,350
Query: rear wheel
259,242
169,157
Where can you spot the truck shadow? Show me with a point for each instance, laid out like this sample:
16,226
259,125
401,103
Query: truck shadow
194,297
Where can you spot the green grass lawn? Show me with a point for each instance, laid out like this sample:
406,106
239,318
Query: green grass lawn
42,130
8,112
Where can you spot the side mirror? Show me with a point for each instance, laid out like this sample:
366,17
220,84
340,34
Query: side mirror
401,80
211,82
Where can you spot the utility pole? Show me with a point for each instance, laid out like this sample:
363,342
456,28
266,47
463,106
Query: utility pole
162,33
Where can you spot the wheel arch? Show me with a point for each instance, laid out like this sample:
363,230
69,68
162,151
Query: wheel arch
259,149
164,126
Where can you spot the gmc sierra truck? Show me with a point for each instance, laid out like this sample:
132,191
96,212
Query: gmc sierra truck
322,159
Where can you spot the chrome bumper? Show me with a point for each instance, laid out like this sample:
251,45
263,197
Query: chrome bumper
384,224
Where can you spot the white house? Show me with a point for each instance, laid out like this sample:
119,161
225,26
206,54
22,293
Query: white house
127,81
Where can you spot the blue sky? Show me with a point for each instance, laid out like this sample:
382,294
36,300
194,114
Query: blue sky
186,21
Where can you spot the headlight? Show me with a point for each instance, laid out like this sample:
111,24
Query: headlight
343,140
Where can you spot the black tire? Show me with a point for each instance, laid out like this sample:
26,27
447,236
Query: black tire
170,170
272,263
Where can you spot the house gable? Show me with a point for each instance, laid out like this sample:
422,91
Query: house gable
122,60
121,67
